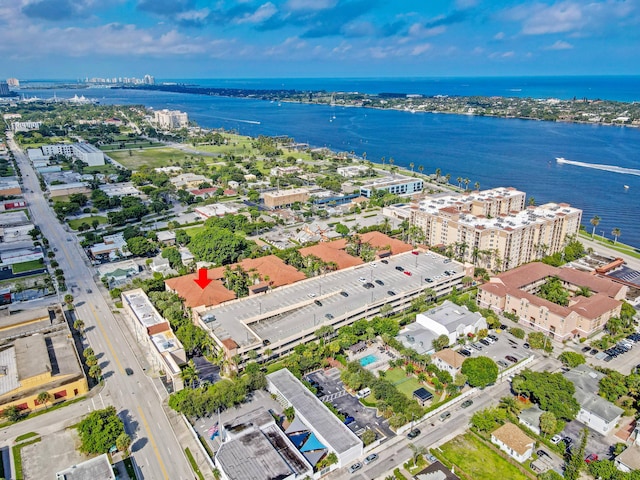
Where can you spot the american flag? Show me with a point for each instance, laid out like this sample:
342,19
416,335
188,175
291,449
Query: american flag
213,431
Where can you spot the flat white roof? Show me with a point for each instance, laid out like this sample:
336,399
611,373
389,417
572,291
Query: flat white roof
146,314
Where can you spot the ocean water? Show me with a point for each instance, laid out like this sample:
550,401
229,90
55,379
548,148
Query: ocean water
491,151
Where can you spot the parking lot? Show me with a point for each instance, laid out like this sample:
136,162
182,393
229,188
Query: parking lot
624,362
596,443
286,311
506,346
333,392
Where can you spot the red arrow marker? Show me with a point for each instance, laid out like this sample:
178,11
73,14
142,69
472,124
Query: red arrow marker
202,279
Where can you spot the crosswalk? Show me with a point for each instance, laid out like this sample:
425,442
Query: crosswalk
332,396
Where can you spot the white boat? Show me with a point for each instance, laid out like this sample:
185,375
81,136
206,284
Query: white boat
626,187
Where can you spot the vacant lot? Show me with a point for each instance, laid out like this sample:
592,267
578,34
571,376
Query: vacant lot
478,461
76,222
27,266
154,157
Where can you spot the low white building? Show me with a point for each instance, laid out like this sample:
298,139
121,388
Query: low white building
629,460
215,210
85,152
530,418
511,440
596,412
352,171
448,360
451,320
326,427
25,126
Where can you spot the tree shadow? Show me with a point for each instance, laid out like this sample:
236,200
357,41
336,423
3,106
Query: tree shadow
104,364
88,329
139,444
131,425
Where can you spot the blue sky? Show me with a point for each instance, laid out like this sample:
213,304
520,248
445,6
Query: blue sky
317,38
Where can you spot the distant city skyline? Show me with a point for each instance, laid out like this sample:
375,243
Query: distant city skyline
67,39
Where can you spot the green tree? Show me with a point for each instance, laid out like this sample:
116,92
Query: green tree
510,405
616,233
44,398
441,342
91,361
342,229
140,246
548,423
68,299
99,430
218,245
88,352
12,413
480,371
517,332
368,437
95,372
289,413
571,359
551,391
416,451
79,326
123,441
576,461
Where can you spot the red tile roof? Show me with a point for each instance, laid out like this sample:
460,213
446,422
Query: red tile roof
194,296
381,241
332,252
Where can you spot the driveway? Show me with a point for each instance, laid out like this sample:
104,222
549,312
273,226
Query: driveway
596,443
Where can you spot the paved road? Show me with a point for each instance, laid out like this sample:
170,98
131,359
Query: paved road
155,448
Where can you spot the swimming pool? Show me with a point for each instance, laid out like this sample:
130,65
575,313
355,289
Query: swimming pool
369,359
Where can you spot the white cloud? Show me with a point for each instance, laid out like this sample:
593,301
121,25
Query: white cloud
310,5
420,49
264,12
560,45
418,30
498,36
194,15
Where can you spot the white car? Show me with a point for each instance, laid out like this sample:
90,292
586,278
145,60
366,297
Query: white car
556,439
311,295
362,279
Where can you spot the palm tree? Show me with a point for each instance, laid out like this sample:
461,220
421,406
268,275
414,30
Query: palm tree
532,201
95,372
420,169
44,398
466,183
411,164
476,185
416,451
510,405
438,172
595,221
459,180
616,233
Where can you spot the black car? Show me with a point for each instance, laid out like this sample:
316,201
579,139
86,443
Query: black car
593,351
466,403
344,294
485,342
526,345
128,371
399,268
367,285
493,337
542,453
391,292
464,352
503,327
428,280
586,349
413,433
379,282
318,303
386,262
329,316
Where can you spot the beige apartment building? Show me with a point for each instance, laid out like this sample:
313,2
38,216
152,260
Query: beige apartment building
493,228
284,198
516,292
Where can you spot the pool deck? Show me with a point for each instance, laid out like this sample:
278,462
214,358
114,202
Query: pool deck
382,358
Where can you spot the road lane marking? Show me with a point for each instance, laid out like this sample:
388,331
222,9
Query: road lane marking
153,442
106,337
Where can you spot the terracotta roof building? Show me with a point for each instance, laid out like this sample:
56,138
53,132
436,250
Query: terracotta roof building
332,252
266,272
448,360
516,292
513,442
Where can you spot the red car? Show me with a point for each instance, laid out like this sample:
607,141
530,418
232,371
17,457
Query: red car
415,252
407,272
592,457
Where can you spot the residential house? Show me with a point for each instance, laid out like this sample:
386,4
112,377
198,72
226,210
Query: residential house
530,418
511,440
448,360
629,460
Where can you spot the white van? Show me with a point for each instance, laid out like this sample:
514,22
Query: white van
365,392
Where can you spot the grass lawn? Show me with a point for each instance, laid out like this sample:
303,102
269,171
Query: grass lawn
191,231
619,247
405,384
154,157
76,222
477,460
104,169
26,266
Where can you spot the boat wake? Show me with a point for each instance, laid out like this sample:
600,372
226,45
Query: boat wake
252,122
599,166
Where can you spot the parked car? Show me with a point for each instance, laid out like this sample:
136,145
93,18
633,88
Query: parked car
466,403
493,337
379,282
318,303
485,342
542,453
511,358
444,416
503,327
128,371
311,295
592,457
593,351
413,433
362,279
464,352
355,467
502,363
344,294
399,268
586,349
526,345
329,316
556,439
386,262
407,273
349,419
428,280
368,285
391,292
370,458
477,346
